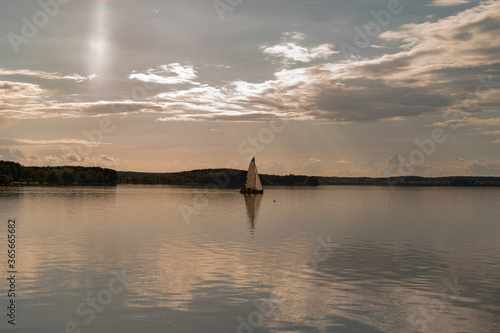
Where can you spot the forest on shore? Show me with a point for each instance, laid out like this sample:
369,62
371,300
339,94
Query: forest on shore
212,177
12,173
413,181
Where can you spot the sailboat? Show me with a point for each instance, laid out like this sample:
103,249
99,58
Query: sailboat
253,184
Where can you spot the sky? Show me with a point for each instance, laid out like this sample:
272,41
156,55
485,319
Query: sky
321,87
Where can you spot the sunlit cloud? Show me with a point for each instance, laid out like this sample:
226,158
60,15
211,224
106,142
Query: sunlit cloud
174,73
53,109
19,91
294,52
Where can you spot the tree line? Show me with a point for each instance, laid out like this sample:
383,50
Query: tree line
413,181
12,173
216,177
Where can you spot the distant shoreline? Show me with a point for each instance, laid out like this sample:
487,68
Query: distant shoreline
465,181
15,174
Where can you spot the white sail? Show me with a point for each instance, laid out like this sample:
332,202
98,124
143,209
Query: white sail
258,184
251,174
253,179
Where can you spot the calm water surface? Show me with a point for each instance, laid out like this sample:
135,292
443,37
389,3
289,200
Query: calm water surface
326,259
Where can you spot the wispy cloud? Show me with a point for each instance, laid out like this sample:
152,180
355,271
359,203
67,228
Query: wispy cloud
19,90
445,3
468,122
39,108
54,142
46,75
487,133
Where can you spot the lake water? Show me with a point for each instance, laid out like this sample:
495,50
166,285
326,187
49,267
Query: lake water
326,259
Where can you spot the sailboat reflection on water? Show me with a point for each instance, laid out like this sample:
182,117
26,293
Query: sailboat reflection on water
252,202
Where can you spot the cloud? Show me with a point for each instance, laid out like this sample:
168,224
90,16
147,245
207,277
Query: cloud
294,52
273,168
393,163
483,132
482,167
206,103
467,39
56,142
313,167
106,158
397,166
433,65
53,160
12,154
295,35
46,75
488,133
17,91
73,158
445,3
59,158
174,73
472,121
53,109
369,166
104,161
20,100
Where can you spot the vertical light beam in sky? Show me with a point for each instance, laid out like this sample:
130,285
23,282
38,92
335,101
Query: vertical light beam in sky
98,44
